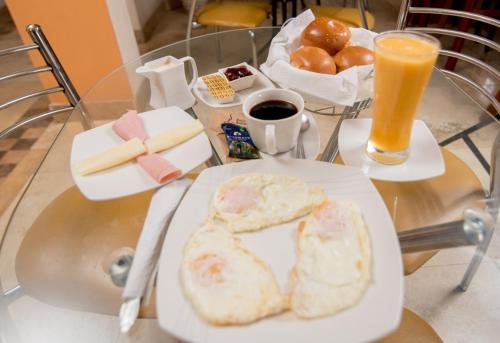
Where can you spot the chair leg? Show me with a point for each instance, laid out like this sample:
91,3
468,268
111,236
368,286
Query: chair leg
8,330
218,45
494,191
284,7
12,292
85,117
362,13
367,6
493,206
190,19
443,20
255,62
274,10
474,264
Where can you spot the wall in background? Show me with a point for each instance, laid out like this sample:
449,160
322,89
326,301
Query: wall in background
395,3
134,17
145,15
82,35
122,25
146,9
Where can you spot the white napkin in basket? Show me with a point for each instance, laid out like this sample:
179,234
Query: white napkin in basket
343,88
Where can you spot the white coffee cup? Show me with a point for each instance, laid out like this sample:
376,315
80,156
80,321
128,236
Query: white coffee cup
274,136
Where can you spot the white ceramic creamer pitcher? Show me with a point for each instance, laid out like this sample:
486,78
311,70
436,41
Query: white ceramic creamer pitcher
168,81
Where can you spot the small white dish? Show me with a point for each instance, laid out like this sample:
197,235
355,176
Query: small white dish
243,82
310,139
379,310
425,160
129,178
200,90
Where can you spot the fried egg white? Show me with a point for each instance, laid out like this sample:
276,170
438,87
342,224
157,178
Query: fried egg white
333,267
225,282
250,202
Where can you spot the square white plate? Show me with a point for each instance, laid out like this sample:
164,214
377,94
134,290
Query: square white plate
425,160
377,313
129,178
200,90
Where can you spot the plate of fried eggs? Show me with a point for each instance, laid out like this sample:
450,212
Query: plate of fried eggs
280,250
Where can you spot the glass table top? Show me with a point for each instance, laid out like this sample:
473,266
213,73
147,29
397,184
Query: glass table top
57,246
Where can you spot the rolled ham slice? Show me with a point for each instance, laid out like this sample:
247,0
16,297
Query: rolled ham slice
130,126
159,168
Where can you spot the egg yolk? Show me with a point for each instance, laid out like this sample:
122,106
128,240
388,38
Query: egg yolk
240,198
208,269
333,222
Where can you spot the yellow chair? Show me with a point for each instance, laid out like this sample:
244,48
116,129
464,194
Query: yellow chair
229,14
349,16
413,329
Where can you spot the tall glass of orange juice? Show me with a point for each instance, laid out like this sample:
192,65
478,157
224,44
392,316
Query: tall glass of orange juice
403,66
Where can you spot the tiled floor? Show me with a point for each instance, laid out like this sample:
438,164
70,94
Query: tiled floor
457,317
14,148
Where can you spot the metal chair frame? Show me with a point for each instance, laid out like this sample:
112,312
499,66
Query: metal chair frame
406,8
493,198
53,65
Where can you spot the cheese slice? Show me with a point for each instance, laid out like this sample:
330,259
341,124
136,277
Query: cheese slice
173,137
111,157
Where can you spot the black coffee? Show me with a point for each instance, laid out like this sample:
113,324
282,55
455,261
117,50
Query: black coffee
273,110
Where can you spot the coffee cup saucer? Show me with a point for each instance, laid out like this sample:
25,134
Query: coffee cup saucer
424,162
310,139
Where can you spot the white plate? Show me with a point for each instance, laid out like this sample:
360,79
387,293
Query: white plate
243,82
377,313
425,160
310,139
200,90
129,178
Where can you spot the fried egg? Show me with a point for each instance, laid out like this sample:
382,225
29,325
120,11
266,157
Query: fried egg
225,283
250,202
333,267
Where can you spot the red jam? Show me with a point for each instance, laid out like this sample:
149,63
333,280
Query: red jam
235,73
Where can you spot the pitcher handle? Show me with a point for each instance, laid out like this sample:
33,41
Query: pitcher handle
194,70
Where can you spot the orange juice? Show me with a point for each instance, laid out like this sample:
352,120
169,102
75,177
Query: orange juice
403,65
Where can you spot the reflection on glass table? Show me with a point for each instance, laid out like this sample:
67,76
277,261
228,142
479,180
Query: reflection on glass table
58,246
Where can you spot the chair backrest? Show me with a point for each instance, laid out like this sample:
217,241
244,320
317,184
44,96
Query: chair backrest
53,65
494,191
406,8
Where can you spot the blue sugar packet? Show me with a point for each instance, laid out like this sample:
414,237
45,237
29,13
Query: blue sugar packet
239,142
